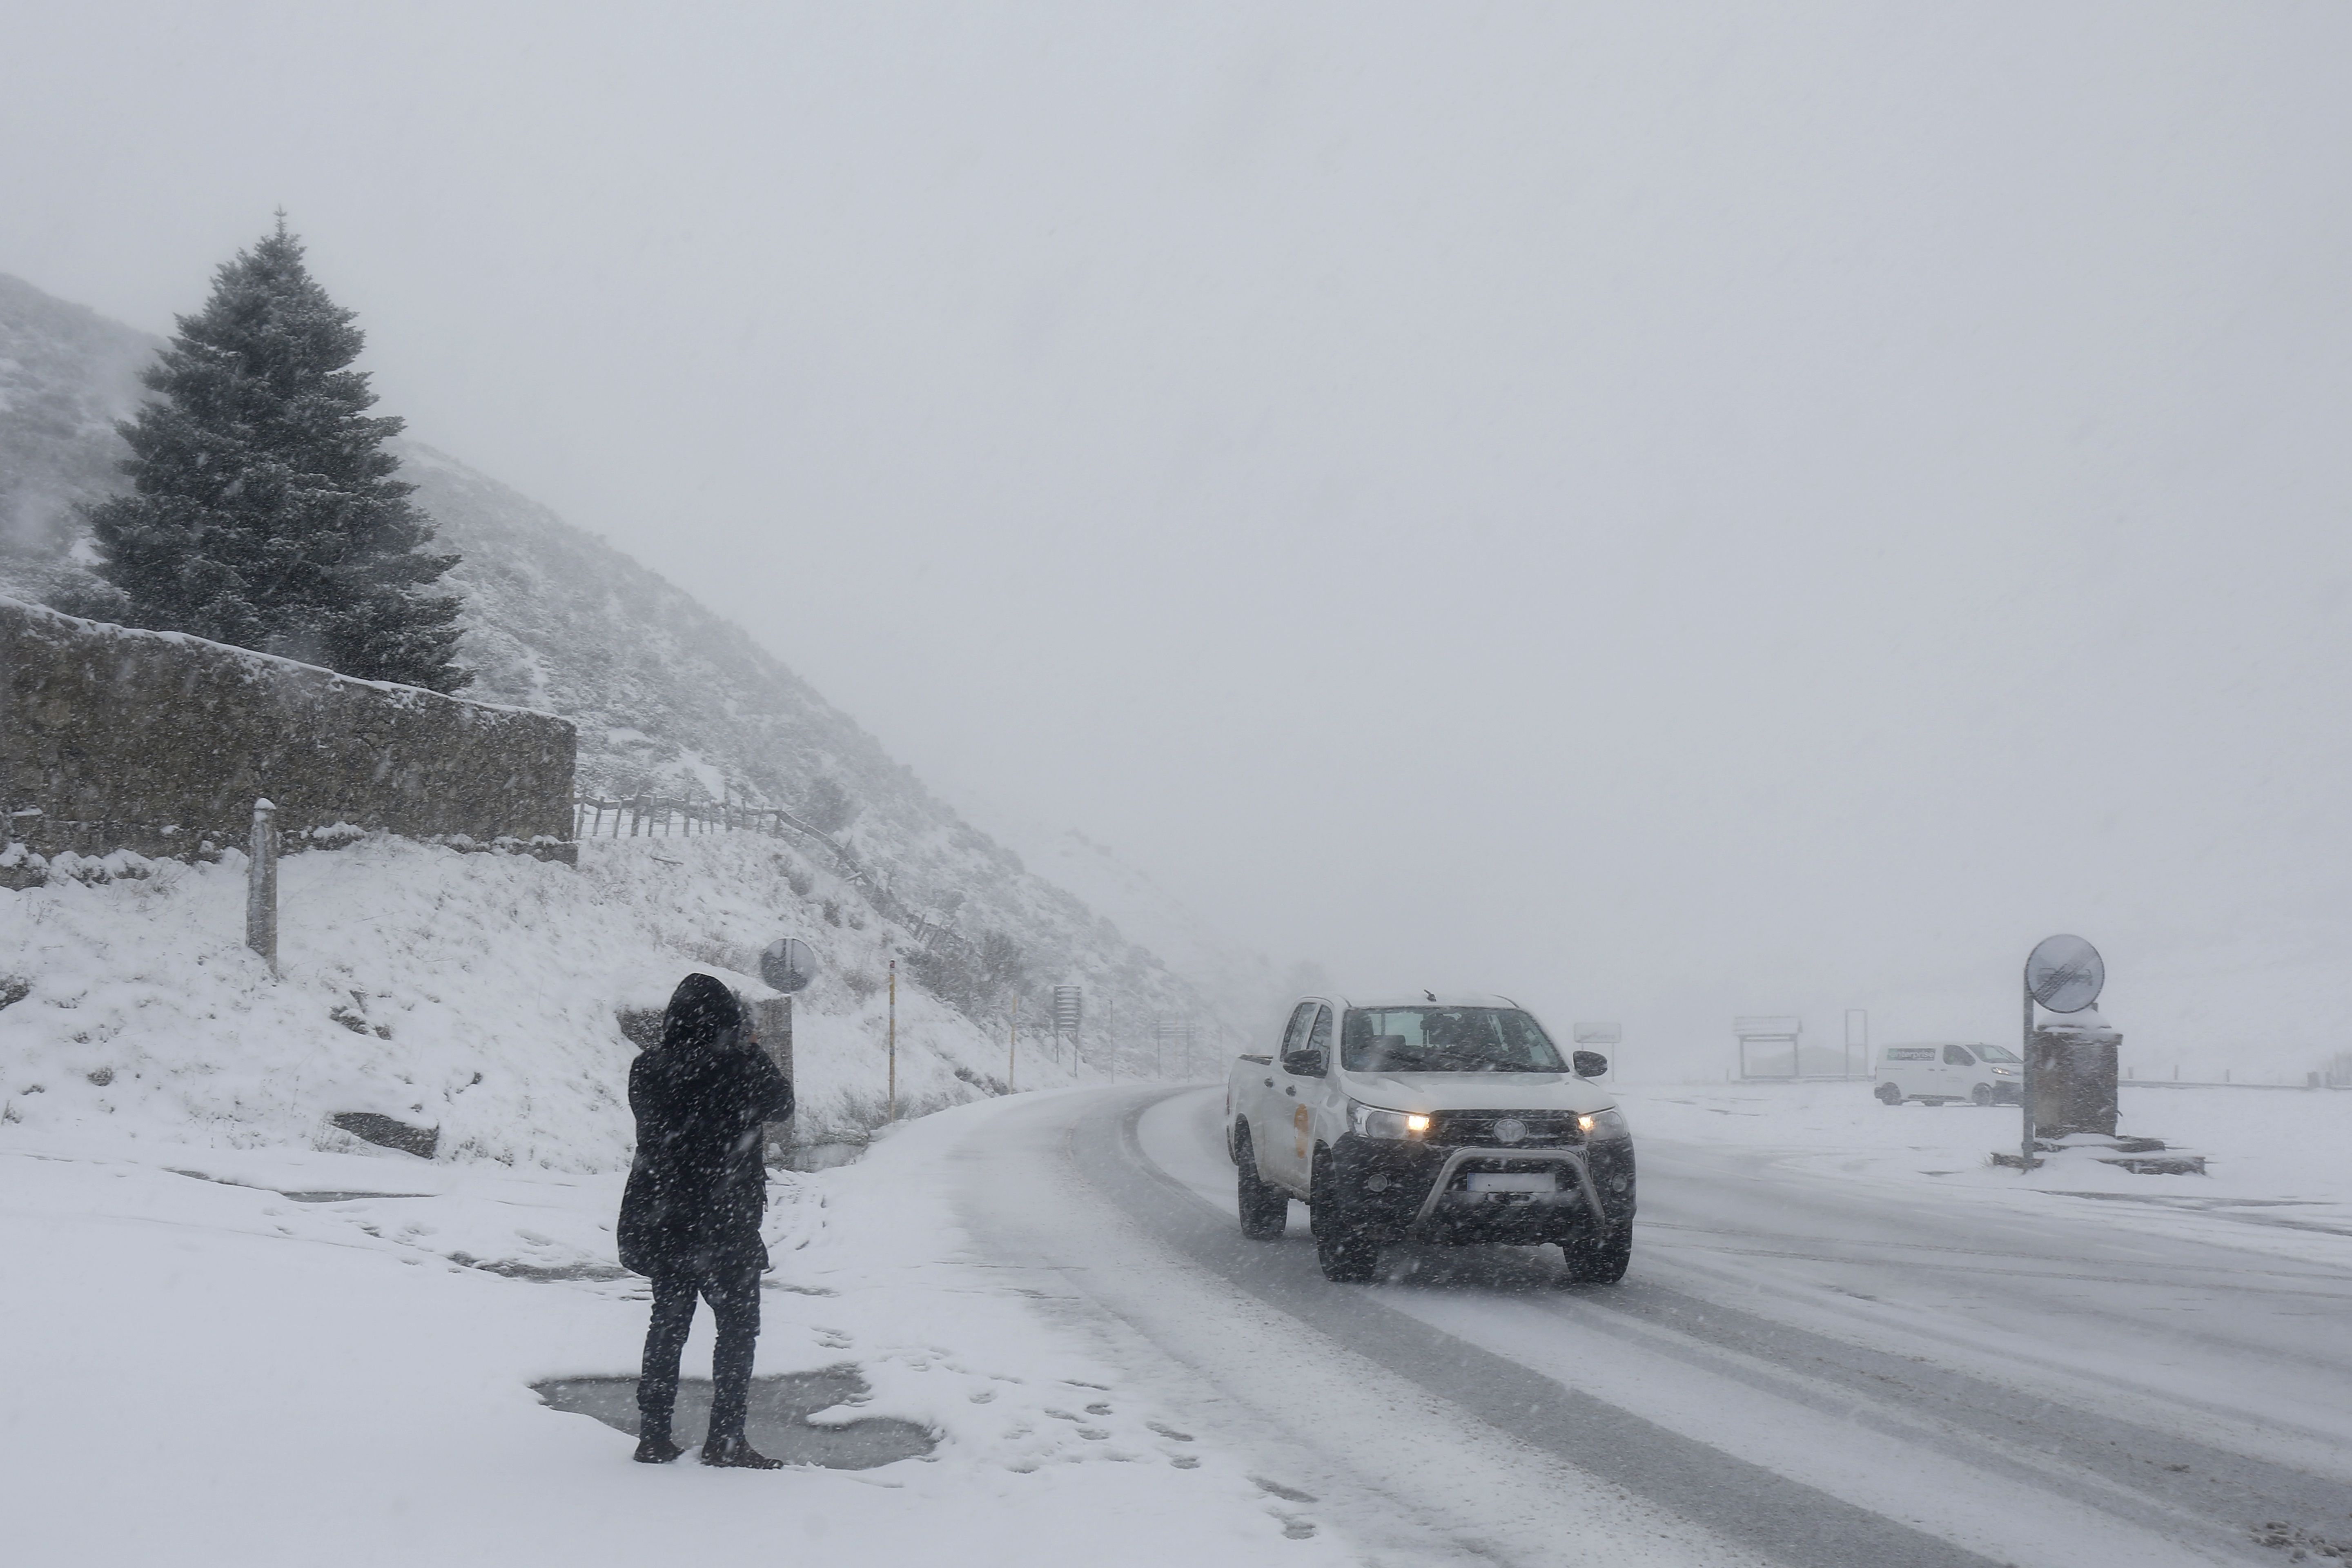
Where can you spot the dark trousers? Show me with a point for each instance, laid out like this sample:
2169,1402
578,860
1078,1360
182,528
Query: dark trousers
734,1297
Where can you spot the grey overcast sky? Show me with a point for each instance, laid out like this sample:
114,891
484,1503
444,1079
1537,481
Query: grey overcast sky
1665,510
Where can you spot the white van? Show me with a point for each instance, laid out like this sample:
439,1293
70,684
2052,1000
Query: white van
1937,1072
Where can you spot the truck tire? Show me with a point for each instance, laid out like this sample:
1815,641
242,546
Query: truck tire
1600,1257
1265,1208
1981,1094
1888,1094
1348,1257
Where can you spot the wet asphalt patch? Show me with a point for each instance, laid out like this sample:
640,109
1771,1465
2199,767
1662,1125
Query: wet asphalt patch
778,1424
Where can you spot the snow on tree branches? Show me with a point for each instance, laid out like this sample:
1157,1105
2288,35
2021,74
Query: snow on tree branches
263,510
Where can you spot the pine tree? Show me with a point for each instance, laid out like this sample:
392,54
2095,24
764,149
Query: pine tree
264,512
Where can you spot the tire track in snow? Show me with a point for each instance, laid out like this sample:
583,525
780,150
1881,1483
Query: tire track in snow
1743,1502
2166,1497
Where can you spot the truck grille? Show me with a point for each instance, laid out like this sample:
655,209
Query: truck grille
1545,1129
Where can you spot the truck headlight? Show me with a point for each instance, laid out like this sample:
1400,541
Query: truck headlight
1369,1122
2004,1072
1604,1124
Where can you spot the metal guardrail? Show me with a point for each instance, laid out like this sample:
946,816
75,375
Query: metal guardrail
2315,1080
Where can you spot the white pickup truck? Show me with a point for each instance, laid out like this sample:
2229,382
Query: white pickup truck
1432,1119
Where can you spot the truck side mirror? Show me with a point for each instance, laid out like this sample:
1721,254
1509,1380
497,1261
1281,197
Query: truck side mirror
1304,1064
1589,1064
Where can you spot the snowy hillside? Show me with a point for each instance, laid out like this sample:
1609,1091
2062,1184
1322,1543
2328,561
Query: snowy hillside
65,375
669,697
476,994
1245,990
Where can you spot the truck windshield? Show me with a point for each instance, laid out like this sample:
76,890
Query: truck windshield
1995,1053
1445,1039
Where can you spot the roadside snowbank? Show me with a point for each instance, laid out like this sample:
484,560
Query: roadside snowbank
472,993
2262,1144
240,1375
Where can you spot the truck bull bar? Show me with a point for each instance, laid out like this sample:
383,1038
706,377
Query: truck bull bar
1574,1159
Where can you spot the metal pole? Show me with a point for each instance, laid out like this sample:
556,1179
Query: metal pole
891,1111
261,885
2025,1081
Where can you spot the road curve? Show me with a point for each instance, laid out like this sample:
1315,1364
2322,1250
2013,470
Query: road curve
1722,1396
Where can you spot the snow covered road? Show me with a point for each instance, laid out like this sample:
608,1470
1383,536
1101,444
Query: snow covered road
1837,1347
1808,1365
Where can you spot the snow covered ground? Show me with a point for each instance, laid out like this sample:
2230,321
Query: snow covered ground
230,1335
472,993
2263,1145
204,1369
1824,1354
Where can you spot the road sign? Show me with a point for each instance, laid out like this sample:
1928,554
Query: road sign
2065,974
1600,1033
788,964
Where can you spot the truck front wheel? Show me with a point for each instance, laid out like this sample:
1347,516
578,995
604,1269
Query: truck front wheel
1265,1208
1600,1257
1346,1255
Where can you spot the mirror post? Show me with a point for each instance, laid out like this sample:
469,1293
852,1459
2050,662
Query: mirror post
2025,1081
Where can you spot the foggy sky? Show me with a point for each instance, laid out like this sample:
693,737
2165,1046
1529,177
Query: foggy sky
1659,509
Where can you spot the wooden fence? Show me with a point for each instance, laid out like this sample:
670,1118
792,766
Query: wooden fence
665,816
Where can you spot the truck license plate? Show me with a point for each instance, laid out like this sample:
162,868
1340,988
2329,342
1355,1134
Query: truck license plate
1512,1182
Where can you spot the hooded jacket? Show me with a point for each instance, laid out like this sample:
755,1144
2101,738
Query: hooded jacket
698,1183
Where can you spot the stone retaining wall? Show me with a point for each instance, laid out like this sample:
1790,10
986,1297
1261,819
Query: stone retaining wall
158,743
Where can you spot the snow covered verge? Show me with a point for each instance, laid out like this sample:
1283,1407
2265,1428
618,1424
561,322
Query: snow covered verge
2288,1146
473,993
283,1357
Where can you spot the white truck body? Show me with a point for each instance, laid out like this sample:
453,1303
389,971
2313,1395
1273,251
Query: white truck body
1441,1118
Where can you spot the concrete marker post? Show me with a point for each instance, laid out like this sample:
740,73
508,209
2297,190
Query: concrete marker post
261,885
890,1110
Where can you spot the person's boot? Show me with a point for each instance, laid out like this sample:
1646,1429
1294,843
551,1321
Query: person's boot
656,1450
735,1454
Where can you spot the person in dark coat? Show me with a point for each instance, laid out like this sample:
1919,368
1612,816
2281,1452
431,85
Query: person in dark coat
690,1212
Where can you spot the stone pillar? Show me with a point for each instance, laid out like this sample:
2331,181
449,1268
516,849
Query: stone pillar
2073,1072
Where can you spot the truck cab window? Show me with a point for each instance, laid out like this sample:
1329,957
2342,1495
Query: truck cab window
1294,1035
1447,1039
1306,1052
